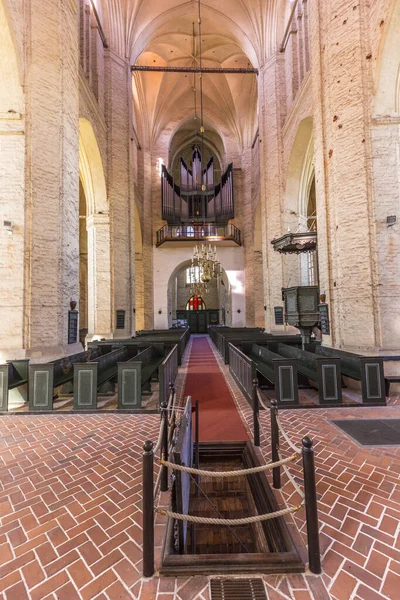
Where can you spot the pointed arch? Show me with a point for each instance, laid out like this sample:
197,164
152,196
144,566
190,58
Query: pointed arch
387,98
91,172
91,169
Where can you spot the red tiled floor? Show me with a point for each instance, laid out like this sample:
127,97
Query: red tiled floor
70,513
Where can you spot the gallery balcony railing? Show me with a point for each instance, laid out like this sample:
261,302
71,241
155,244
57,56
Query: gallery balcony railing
195,232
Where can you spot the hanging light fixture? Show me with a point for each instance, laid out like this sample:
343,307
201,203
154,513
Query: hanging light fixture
205,264
205,267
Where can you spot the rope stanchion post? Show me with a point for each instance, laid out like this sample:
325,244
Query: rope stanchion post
197,447
276,472
310,490
256,410
148,510
164,446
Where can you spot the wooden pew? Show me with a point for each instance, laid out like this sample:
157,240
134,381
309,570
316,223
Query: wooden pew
168,337
282,372
367,369
134,377
90,376
13,382
324,371
45,378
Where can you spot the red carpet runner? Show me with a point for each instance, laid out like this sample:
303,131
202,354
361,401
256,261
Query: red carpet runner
219,418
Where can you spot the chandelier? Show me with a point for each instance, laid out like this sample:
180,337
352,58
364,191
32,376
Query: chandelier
205,267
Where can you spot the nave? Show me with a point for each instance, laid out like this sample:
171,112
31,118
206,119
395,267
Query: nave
71,513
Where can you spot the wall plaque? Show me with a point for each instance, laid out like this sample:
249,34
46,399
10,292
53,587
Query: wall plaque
324,319
278,310
72,326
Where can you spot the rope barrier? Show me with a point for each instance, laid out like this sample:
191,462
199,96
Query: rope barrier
292,480
157,485
261,401
222,474
286,437
244,521
159,441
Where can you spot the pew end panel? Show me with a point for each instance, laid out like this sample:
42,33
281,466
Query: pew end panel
129,385
85,386
329,380
286,388
372,380
41,385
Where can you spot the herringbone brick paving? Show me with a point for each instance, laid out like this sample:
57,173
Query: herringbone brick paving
70,509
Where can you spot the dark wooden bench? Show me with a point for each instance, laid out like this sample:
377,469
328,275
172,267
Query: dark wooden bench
390,379
45,378
13,382
367,369
94,375
282,372
135,375
166,336
324,371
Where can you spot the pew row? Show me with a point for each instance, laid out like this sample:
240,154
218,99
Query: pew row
367,369
45,378
13,383
264,364
324,371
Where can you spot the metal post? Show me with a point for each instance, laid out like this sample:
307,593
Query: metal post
197,449
256,409
148,510
310,490
164,447
171,393
276,471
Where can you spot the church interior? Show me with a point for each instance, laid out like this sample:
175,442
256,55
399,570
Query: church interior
199,299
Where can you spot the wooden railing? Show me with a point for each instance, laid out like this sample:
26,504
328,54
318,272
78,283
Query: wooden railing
194,232
167,372
243,370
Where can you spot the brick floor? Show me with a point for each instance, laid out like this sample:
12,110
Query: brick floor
70,509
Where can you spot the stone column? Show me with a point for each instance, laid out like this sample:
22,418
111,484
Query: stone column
99,297
341,78
52,175
386,170
120,188
272,107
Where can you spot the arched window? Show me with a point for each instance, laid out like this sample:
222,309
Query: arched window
196,303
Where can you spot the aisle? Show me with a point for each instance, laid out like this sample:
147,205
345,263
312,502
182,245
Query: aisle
219,418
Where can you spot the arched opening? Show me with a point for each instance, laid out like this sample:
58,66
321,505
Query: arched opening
181,300
83,266
139,272
301,204
196,303
13,333
94,245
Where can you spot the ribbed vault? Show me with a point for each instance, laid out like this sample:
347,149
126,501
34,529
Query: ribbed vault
235,33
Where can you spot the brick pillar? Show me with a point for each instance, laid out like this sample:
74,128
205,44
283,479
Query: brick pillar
120,188
99,300
52,174
12,194
272,106
341,77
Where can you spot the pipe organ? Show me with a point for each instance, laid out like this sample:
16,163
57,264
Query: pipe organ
197,198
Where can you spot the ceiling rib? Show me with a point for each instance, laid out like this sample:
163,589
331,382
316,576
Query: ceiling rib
193,69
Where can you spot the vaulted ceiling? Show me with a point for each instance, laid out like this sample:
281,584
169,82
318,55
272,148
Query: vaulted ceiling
234,33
